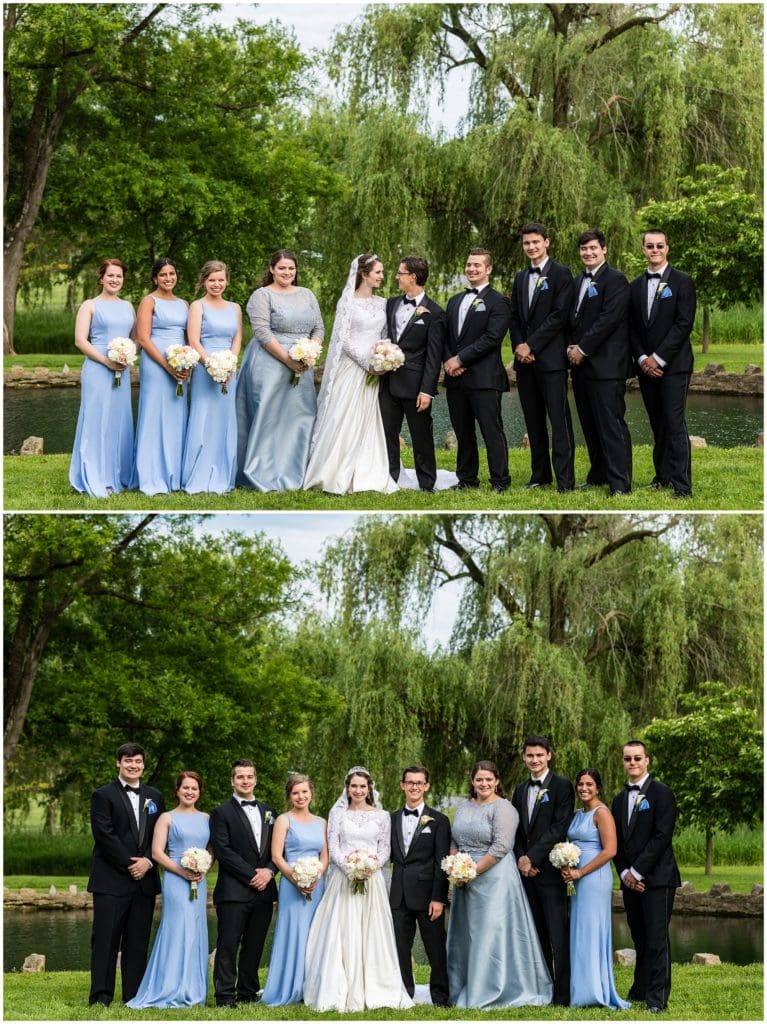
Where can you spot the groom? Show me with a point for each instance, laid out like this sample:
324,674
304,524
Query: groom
245,893
420,838
415,323
123,879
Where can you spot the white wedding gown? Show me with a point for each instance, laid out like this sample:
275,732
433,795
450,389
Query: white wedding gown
351,956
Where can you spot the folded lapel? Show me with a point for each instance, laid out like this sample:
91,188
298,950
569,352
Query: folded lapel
142,814
397,832
538,796
129,809
537,289
645,287
656,301
635,812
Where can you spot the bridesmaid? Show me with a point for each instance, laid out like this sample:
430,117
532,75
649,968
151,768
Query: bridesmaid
299,833
102,455
275,420
210,450
162,414
591,936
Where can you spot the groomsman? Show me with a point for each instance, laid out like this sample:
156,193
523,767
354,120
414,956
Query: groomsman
245,893
662,315
415,323
123,879
600,356
645,815
540,303
545,804
475,377
420,838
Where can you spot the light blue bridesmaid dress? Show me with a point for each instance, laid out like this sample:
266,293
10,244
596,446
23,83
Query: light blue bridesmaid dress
210,449
102,454
285,981
274,419
177,972
494,957
591,929
162,414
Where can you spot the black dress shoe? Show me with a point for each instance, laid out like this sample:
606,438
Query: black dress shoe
427,490
532,485
463,486
226,1004
565,490
499,488
100,1002
615,493
681,495
655,1009
658,485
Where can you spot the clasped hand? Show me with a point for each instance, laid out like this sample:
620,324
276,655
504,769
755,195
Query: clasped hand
261,878
651,368
453,367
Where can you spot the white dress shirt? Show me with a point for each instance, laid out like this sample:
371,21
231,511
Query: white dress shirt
410,824
133,797
254,817
466,303
405,313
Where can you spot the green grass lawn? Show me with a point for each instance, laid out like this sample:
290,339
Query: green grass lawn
722,479
699,993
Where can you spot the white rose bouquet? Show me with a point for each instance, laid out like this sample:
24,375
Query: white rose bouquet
220,365
459,867
384,357
123,351
306,871
196,859
566,855
360,865
306,351
182,357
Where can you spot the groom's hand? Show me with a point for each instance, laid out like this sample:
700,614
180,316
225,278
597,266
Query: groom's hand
139,868
435,910
261,878
454,367
422,402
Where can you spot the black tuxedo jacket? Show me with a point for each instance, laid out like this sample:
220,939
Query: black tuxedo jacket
600,327
238,855
422,342
645,842
667,330
542,323
548,825
117,838
479,343
417,877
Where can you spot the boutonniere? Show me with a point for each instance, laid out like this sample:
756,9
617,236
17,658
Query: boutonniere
150,806
478,305
421,310
423,821
543,797
542,284
268,817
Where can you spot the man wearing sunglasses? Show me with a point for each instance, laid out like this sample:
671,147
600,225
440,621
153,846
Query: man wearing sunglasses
662,313
645,814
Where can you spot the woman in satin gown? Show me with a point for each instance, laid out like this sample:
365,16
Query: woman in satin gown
102,454
299,833
348,450
591,931
177,972
275,419
351,955
210,449
494,957
162,414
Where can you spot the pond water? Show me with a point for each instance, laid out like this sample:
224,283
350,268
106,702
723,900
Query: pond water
64,938
726,421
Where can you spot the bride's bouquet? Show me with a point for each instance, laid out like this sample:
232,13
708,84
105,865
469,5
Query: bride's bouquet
182,357
459,867
220,365
197,859
306,871
306,351
566,855
123,351
385,356
360,865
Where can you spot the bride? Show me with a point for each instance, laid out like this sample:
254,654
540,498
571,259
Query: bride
351,956
348,447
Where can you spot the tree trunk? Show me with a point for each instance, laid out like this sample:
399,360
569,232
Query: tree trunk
706,329
709,850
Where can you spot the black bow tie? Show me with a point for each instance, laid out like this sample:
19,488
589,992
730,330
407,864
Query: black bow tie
474,291
248,803
406,811
588,274
536,782
637,788
131,789
408,302
535,270
648,275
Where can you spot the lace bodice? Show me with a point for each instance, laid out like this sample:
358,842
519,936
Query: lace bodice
485,828
368,325
358,830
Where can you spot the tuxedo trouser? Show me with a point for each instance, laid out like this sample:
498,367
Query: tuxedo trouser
541,395
393,411
648,915
468,408
549,907
601,408
434,942
243,925
665,399
120,924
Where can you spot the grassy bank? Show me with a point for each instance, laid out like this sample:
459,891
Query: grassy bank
722,479
699,993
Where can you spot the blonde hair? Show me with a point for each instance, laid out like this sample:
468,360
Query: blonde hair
211,267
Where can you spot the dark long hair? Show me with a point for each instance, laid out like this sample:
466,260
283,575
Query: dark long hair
486,766
365,264
274,259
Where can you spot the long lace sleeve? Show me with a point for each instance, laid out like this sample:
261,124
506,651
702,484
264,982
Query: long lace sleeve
383,842
334,839
504,824
260,313
318,328
358,349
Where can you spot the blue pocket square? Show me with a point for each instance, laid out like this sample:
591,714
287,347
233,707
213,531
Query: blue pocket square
545,798
150,807
644,806
545,286
592,291
666,293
